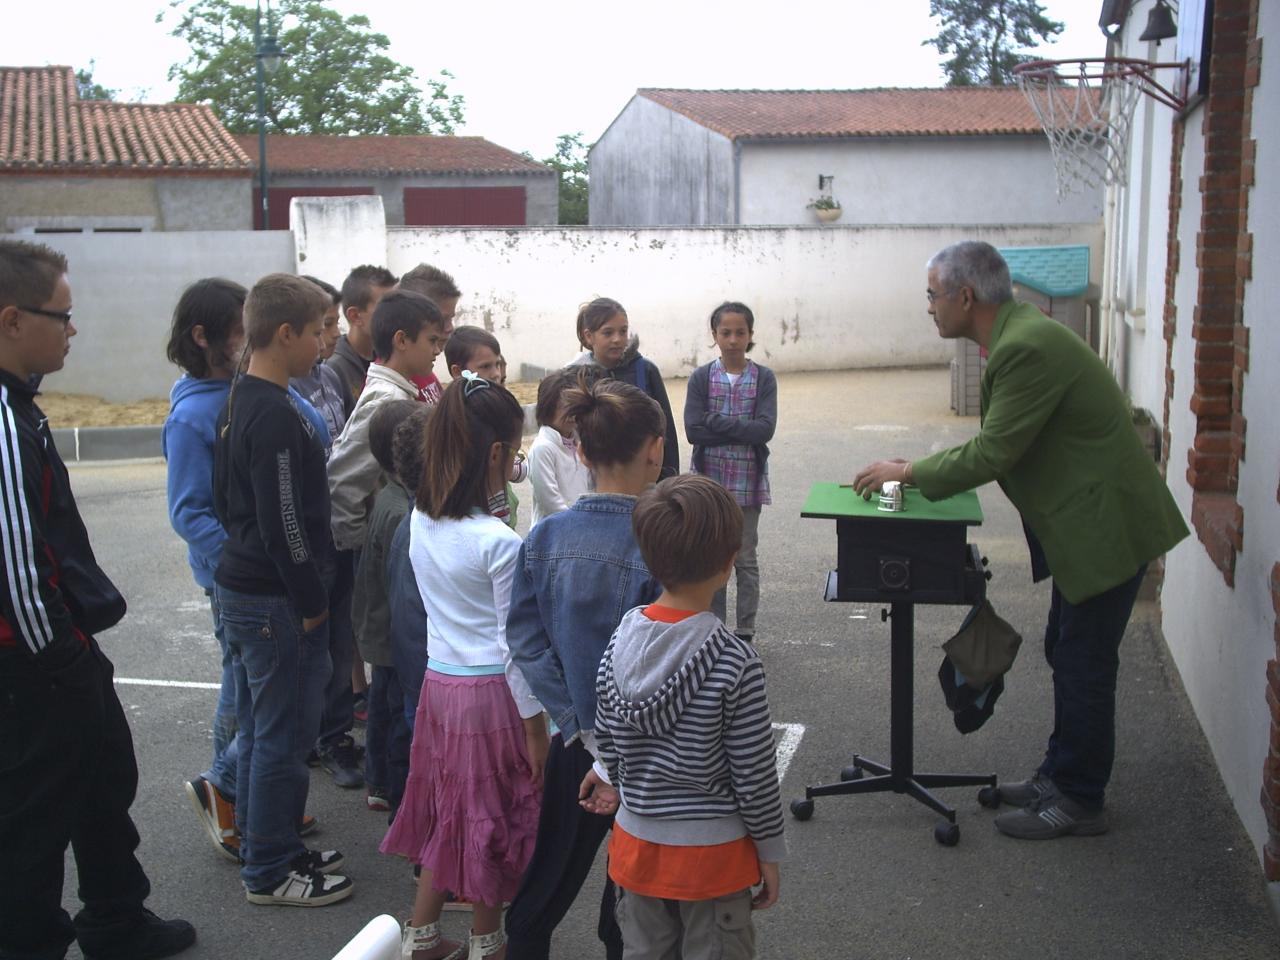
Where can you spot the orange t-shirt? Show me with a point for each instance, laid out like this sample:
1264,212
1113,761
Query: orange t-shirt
681,873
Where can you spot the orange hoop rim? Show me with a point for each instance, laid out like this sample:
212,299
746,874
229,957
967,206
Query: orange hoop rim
1109,69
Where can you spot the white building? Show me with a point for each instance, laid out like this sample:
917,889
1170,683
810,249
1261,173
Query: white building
1190,296
973,155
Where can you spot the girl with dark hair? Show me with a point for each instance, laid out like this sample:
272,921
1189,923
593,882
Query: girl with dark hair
730,410
578,573
205,340
608,344
470,808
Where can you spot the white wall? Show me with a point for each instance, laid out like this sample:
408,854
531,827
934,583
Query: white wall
654,166
911,180
824,298
1220,638
124,288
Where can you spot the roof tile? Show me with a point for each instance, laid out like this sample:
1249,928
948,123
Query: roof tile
950,111
45,126
306,154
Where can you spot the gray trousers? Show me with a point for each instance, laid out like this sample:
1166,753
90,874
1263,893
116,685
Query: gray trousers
747,568
654,929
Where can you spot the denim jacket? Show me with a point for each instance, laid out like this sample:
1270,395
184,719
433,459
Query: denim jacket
578,573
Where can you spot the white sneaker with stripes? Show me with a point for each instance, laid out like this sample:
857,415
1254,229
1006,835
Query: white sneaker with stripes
305,885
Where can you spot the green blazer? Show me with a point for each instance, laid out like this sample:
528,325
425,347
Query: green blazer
1058,437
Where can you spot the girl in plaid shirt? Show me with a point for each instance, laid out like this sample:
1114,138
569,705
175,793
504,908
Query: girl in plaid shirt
730,411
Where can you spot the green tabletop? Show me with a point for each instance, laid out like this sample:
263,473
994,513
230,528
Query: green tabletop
840,502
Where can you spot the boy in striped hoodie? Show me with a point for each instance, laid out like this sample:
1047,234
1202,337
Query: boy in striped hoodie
683,731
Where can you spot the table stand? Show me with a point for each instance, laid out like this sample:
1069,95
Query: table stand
899,776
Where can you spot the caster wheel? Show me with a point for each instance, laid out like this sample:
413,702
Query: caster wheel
947,833
802,809
852,773
989,797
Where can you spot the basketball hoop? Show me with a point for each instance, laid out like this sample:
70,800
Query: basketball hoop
1086,107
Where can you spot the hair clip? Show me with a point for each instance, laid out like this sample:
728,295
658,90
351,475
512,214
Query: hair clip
473,383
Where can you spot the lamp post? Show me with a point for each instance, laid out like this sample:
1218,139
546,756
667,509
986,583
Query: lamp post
269,56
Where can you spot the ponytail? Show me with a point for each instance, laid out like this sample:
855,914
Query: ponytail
613,419
472,415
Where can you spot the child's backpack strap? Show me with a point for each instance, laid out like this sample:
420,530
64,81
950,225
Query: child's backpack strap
642,374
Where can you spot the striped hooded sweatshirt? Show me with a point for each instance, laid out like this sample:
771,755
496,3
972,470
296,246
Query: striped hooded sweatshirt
683,729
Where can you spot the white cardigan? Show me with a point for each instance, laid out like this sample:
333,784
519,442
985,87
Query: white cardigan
464,570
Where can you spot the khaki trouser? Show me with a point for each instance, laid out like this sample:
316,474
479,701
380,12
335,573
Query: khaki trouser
654,929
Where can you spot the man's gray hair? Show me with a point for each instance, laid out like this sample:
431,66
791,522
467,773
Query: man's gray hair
976,265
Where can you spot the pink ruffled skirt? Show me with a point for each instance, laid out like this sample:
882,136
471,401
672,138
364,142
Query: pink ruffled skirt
470,810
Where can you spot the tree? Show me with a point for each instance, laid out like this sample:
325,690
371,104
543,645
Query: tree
981,36
336,77
88,89
570,164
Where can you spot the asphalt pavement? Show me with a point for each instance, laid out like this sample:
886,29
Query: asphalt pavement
1175,878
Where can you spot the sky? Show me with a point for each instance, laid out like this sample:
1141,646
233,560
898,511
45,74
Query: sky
532,71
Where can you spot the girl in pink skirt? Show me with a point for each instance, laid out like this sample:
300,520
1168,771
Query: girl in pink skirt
470,810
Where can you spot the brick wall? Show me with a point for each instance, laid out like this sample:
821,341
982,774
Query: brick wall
1224,264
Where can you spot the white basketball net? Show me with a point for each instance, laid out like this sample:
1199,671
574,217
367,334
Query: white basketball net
1087,124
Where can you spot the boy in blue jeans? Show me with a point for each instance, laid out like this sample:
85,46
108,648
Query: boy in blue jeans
683,730
272,499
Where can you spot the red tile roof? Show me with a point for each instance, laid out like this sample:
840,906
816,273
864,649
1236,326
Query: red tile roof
388,155
886,112
46,127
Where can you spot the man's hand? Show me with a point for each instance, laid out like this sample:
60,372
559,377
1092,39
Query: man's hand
537,744
769,881
596,796
310,623
871,478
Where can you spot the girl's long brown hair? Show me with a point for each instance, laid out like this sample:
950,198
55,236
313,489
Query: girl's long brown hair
470,417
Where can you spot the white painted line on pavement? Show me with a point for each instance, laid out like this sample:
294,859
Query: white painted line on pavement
185,684
788,744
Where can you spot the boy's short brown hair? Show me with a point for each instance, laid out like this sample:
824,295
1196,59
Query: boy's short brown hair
280,298
28,273
688,528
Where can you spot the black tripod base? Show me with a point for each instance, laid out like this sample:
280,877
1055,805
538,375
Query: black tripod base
916,785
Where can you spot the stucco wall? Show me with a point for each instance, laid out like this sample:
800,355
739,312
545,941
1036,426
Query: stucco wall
125,287
916,180
541,197
151,203
1220,637
823,298
654,167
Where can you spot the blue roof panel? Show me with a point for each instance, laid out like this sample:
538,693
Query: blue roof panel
1054,271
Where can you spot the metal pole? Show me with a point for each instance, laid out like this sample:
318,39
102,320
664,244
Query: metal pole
262,122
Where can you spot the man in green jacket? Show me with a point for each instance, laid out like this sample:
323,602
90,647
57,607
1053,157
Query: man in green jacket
1057,436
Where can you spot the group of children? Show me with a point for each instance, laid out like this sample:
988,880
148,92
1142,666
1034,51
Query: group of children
528,697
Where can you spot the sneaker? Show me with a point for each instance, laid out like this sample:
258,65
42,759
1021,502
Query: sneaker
360,708
376,798
308,826
313,757
454,902
304,886
322,861
1050,817
340,760
151,939
217,816
1025,793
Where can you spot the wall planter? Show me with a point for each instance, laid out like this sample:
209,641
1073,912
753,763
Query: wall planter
828,214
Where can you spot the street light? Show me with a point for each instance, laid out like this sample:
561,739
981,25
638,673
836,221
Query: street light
269,56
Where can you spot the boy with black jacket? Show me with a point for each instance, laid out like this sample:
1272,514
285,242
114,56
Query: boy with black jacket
272,586
68,772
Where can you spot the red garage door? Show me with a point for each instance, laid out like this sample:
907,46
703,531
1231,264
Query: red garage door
280,197
464,206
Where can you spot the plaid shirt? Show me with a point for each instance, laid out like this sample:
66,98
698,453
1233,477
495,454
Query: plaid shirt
734,465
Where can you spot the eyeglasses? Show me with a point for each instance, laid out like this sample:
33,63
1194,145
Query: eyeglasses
62,316
932,297
517,454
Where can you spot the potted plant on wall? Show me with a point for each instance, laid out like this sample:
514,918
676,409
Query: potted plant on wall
827,208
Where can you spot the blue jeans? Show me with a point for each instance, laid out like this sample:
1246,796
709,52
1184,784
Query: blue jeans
1082,645
386,738
280,676
222,773
338,716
